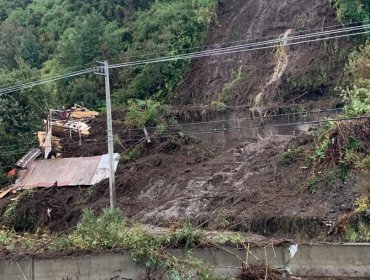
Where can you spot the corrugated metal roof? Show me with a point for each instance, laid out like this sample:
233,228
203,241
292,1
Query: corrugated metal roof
31,155
66,172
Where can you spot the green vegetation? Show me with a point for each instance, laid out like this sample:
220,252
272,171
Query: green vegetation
349,10
133,154
110,230
359,229
151,113
343,146
314,82
43,38
291,155
357,94
362,203
230,87
339,148
361,233
18,218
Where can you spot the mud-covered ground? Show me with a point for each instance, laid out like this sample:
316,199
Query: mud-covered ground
312,70
245,187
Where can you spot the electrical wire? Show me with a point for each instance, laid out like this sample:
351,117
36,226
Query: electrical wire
46,81
67,70
359,23
210,131
182,125
220,51
245,119
63,145
250,47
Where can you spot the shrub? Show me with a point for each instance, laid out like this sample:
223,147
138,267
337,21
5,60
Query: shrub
21,219
142,113
187,236
103,232
291,155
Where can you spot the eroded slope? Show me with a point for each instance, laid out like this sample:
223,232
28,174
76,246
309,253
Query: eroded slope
306,71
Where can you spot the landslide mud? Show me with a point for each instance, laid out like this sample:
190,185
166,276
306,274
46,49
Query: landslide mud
245,188
313,67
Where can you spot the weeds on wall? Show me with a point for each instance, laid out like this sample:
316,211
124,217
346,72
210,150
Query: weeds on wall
110,230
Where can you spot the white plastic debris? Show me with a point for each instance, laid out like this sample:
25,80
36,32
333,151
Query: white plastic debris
49,212
293,249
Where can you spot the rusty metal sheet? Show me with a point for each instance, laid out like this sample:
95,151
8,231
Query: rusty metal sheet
65,172
31,155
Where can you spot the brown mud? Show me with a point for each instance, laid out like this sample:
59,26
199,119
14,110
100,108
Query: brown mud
244,188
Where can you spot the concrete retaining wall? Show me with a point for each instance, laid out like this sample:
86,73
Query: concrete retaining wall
335,260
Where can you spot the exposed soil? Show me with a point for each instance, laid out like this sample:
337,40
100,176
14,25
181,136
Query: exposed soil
244,188
257,272
310,71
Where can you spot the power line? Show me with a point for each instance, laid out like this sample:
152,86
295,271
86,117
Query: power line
210,131
207,131
63,145
67,70
221,51
218,130
262,71
240,119
359,23
46,81
182,125
251,47
245,119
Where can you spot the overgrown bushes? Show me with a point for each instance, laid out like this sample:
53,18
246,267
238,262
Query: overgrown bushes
345,145
349,10
110,230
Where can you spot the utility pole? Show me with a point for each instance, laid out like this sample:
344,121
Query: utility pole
112,183
112,186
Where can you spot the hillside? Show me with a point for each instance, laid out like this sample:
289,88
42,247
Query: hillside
306,183
307,71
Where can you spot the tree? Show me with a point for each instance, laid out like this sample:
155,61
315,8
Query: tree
21,113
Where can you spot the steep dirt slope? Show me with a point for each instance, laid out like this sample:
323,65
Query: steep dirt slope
308,70
245,186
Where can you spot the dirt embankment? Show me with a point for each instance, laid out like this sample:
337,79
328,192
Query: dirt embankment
297,73
246,187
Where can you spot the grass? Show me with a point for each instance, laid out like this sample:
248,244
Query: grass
111,230
362,203
132,154
364,163
360,233
229,88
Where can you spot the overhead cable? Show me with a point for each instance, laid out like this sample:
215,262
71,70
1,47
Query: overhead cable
292,40
325,35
